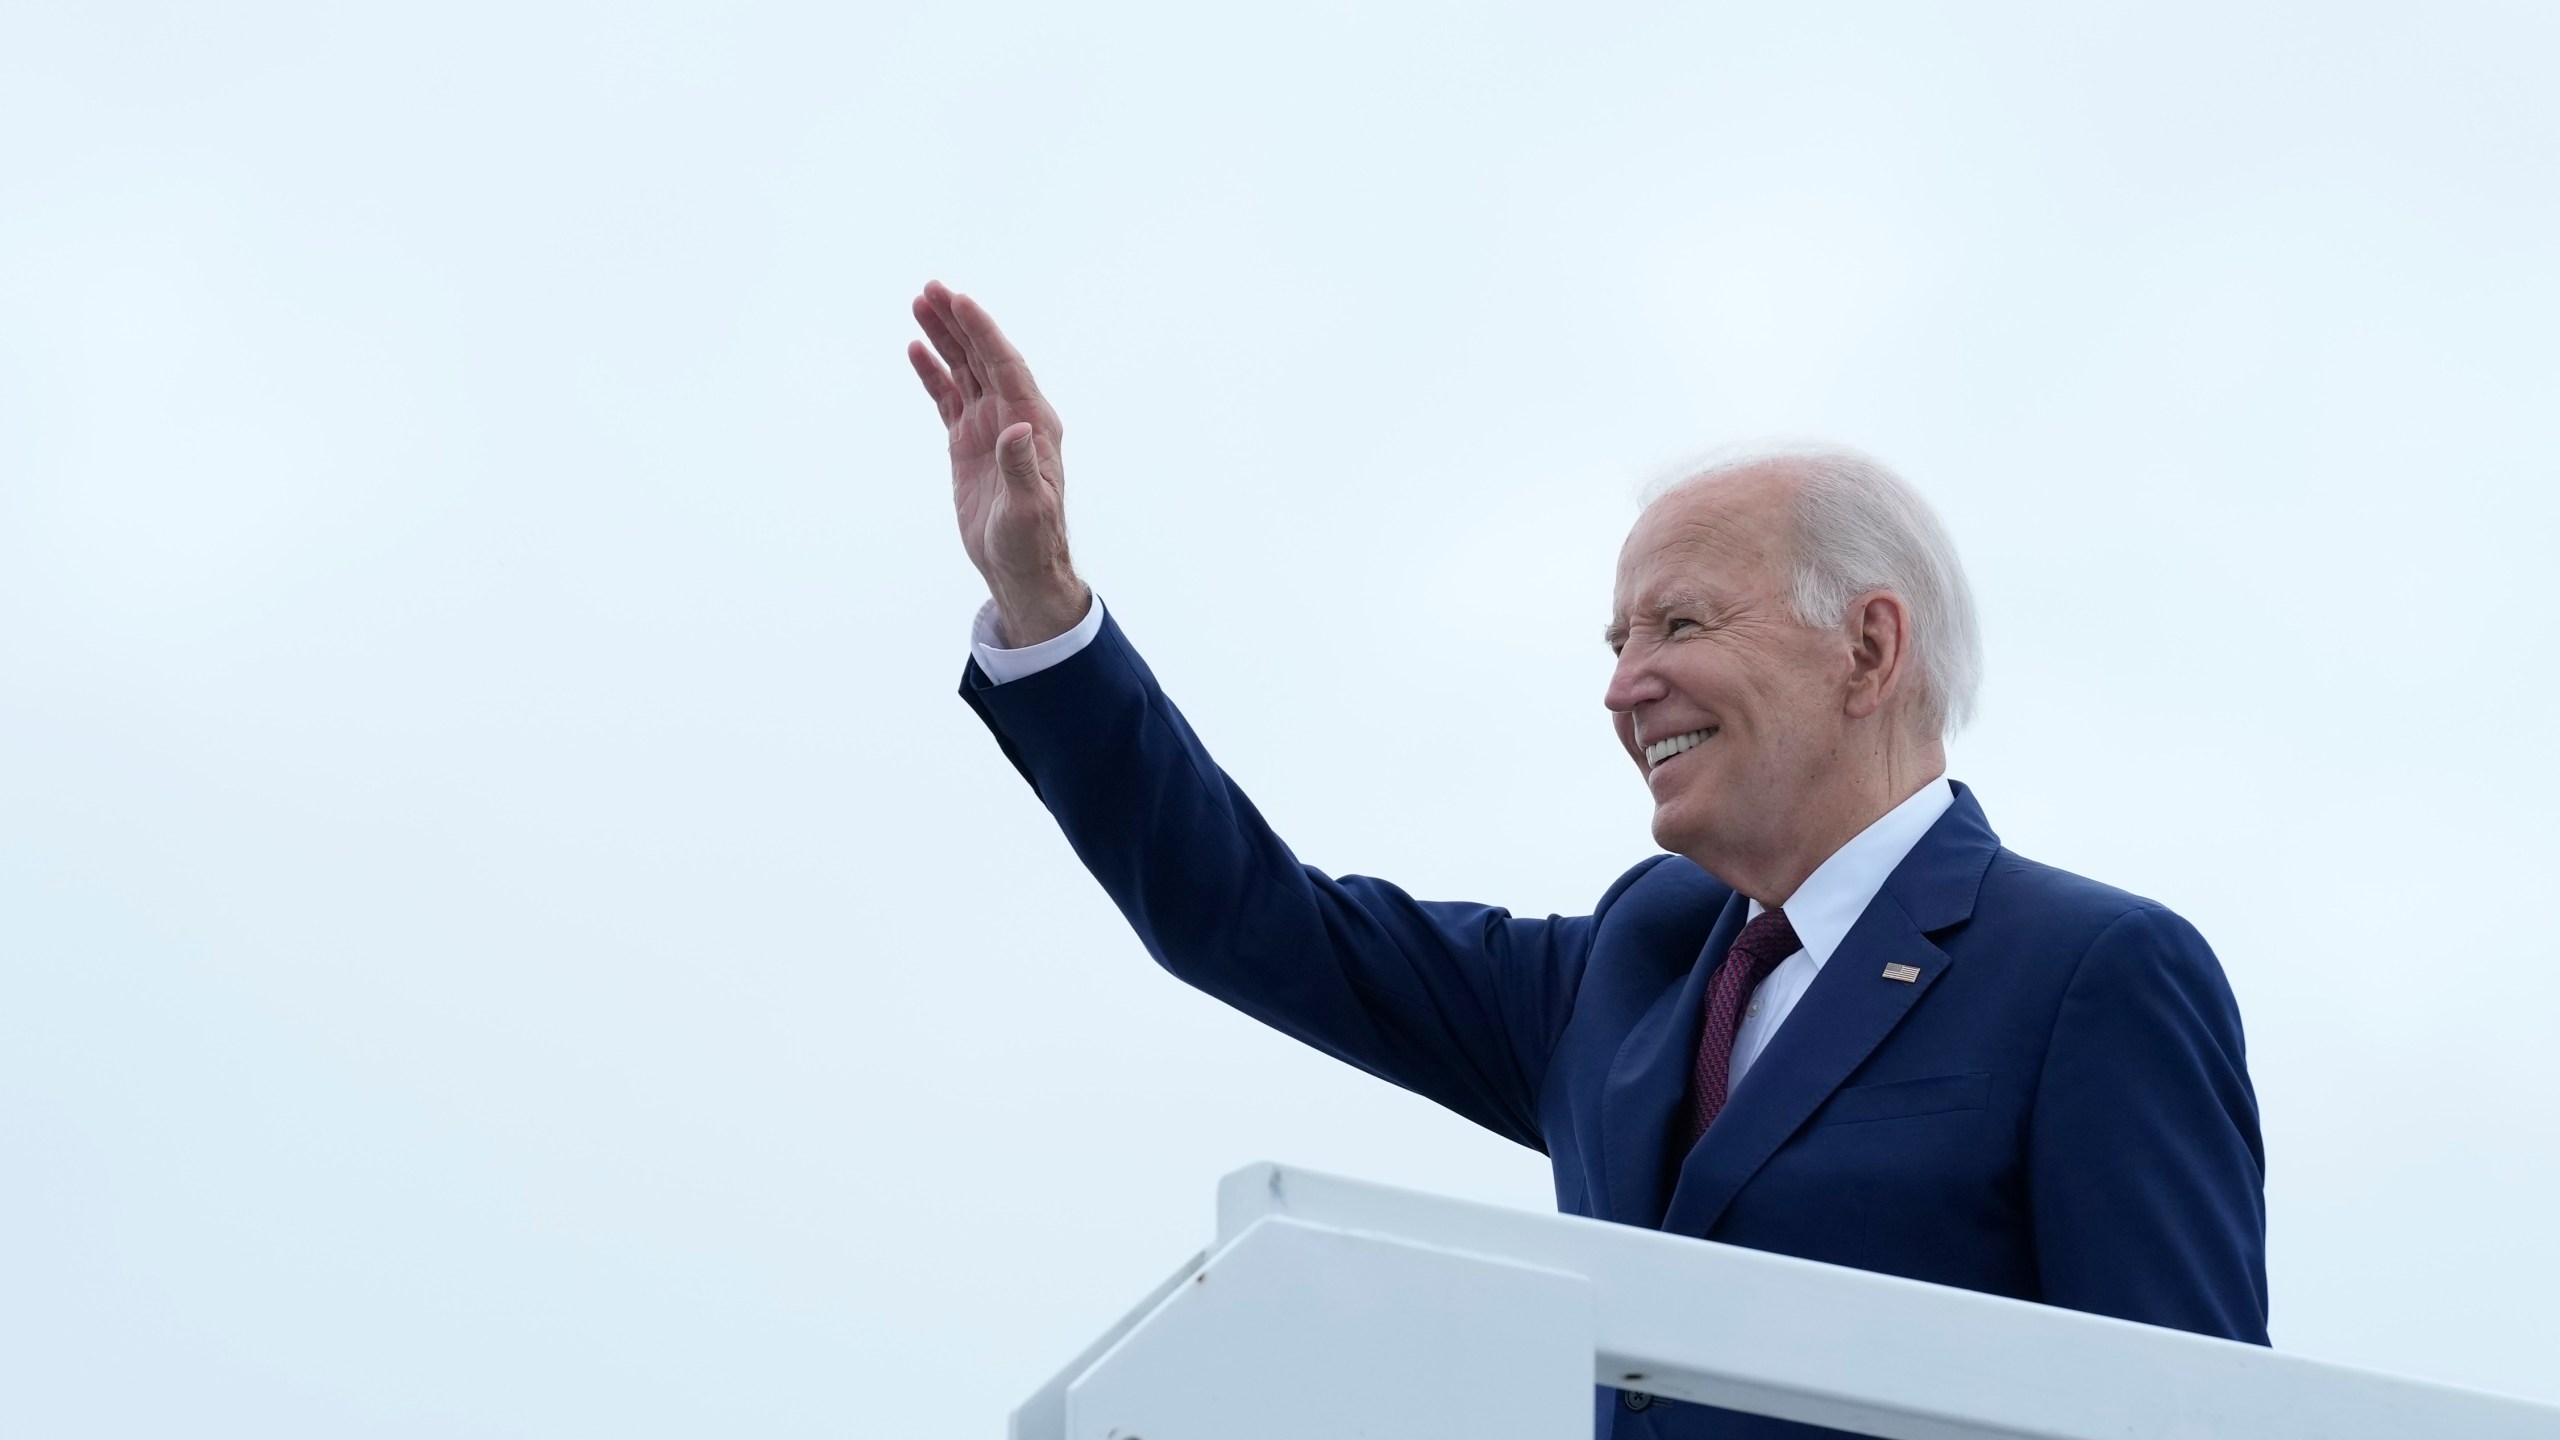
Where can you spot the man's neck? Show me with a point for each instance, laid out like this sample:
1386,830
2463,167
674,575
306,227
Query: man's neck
1774,879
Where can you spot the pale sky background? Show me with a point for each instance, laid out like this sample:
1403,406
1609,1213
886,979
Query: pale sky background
505,930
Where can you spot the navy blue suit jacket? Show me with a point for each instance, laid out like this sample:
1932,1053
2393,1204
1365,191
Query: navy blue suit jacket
2056,1109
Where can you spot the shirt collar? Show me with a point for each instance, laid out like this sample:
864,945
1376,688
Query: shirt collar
1841,888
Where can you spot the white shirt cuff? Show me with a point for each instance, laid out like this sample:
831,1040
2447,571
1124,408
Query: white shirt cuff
1004,665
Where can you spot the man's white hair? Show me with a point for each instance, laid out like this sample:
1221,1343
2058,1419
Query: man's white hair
1860,528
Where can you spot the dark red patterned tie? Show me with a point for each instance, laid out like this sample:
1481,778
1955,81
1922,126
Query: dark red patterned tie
1756,951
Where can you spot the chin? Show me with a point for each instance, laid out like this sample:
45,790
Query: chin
1671,834
1686,825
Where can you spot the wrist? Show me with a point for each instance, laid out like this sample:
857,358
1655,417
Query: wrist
1030,611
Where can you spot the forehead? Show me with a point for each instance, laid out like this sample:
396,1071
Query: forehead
1724,535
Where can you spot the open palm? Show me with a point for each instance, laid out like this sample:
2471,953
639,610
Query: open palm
1008,483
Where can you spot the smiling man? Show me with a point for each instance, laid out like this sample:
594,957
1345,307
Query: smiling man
1837,1019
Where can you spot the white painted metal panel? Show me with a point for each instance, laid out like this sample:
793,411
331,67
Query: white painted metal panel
1885,1356
1333,1308
1293,1330
1044,1415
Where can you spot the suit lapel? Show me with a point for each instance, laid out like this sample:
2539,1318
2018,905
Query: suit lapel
1847,1012
1644,1105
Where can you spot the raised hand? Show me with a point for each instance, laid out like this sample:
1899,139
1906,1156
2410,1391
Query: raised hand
1008,483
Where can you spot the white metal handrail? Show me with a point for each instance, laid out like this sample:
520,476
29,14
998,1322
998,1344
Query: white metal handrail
1332,1307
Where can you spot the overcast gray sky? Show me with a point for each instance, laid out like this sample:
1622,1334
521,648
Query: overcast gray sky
505,930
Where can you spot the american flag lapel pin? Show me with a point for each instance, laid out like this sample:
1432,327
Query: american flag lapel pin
1907,974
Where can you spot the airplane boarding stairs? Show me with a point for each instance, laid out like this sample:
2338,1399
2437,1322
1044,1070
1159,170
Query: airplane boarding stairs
1334,1308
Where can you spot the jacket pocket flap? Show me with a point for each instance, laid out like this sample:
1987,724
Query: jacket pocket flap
1897,1098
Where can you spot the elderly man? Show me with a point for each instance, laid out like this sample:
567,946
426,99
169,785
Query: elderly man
1836,1020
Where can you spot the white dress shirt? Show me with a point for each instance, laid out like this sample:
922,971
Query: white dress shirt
986,645
1823,908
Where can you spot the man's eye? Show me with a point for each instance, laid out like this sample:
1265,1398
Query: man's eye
1673,628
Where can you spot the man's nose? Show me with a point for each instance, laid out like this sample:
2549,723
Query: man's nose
1631,684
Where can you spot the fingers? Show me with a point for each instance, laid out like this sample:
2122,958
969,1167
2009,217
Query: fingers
1018,456
999,364
932,315
937,383
980,358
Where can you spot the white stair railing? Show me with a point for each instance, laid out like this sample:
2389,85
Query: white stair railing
1334,1308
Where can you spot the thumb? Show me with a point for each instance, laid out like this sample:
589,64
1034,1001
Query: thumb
1018,456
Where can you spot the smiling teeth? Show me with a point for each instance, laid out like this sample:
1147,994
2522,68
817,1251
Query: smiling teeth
1661,750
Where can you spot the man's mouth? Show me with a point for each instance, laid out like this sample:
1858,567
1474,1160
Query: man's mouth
1661,750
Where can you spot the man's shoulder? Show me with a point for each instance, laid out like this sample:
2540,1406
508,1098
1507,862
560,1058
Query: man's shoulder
2071,913
1663,880
1662,906
2013,879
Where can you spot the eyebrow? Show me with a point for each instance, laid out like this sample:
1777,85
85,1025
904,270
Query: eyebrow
1615,634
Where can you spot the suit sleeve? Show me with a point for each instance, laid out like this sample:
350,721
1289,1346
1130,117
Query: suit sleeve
2146,1169
1459,1003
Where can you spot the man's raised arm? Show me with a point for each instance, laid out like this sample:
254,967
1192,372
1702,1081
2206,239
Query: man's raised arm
1461,1003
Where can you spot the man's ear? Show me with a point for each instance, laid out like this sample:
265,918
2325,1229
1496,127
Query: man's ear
1879,627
